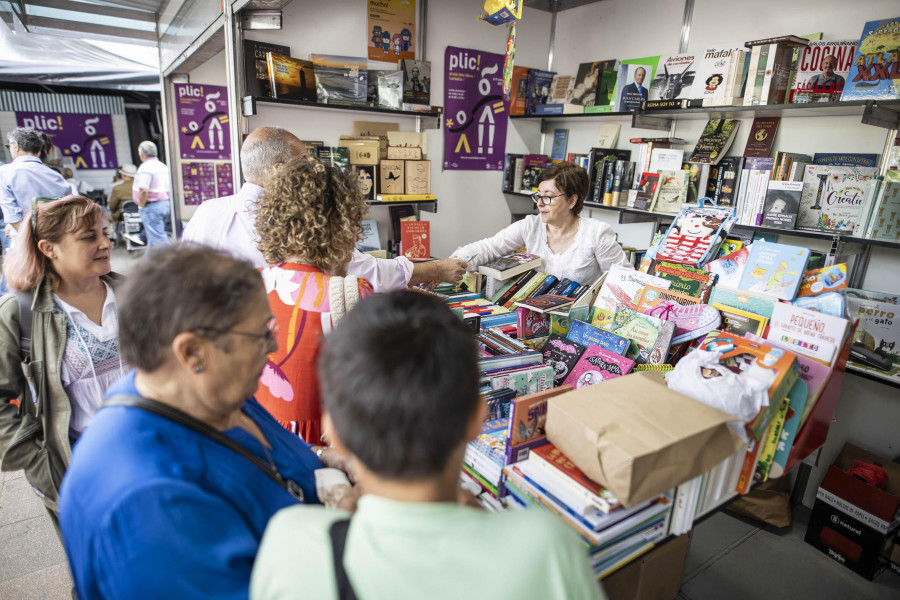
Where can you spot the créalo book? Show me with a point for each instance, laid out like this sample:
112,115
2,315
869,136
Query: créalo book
598,364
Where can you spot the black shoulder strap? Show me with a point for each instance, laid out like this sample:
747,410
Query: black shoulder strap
338,532
25,317
185,420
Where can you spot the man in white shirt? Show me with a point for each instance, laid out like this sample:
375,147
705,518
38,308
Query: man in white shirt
151,192
228,223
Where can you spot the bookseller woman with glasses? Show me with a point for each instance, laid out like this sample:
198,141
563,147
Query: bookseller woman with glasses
570,246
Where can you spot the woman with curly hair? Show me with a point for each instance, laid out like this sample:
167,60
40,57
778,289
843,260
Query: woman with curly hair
308,221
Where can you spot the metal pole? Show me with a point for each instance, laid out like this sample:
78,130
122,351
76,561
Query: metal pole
421,37
233,81
686,25
554,5
174,207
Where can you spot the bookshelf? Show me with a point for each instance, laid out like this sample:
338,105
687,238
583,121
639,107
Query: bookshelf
249,106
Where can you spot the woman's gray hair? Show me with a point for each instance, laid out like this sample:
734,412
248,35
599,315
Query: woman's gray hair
270,145
184,288
148,149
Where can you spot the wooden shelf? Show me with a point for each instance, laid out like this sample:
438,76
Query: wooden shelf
248,105
885,380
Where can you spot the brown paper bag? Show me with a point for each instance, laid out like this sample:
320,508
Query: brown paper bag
637,437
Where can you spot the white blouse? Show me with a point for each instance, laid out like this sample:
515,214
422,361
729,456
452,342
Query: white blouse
91,360
593,251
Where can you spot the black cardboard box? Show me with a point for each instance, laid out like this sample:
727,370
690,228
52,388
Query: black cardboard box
853,522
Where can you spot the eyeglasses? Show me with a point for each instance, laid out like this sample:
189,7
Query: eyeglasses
270,335
547,200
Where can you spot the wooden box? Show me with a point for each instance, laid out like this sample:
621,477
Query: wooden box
404,153
393,177
418,177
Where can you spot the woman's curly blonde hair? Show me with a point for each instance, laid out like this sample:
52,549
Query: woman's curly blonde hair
312,212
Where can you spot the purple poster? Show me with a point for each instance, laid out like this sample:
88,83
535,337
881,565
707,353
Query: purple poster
87,139
475,113
198,181
202,121
224,179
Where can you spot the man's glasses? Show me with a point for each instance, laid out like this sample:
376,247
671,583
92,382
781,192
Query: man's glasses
546,200
270,335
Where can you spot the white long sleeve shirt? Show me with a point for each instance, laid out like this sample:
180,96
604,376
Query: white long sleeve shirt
228,224
591,254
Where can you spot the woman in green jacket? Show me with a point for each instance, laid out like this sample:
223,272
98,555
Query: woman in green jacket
60,269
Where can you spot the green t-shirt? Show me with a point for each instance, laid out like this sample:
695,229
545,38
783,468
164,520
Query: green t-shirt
398,550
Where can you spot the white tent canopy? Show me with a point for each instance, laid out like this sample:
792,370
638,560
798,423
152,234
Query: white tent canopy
52,60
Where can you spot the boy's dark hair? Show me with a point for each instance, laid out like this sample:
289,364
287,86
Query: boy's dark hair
399,378
181,288
571,179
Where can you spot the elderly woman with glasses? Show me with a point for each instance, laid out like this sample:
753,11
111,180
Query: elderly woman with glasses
170,488
570,246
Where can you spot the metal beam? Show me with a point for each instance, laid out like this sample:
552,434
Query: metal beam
686,25
64,28
95,9
234,81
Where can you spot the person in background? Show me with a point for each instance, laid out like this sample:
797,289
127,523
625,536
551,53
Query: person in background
228,223
309,220
151,192
121,193
79,187
61,262
155,504
570,246
408,537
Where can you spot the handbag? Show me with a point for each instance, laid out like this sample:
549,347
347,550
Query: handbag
185,420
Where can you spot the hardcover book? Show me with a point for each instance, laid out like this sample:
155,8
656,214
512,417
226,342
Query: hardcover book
633,82
714,141
873,73
550,457
652,296
531,324
782,204
527,416
672,192
775,269
758,304
822,69
538,85
524,381
741,322
686,280
651,335
808,332
826,279
647,190
291,78
340,79
598,364
730,268
831,197
762,137
584,334
510,265
416,81
561,354
622,287
675,77
256,68
518,90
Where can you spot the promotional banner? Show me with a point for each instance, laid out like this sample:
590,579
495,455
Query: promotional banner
88,139
202,121
392,29
475,113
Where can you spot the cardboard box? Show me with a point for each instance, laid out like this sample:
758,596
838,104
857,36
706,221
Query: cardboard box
638,438
362,152
418,177
853,522
393,177
653,576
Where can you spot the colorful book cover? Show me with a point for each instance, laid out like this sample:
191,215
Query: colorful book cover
798,398
826,279
740,322
530,323
730,268
831,198
550,456
762,137
873,73
833,159
762,362
651,335
885,223
822,69
538,89
600,317
646,191
878,330
527,381
584,334
633,82
714,141
672,192
782,204
686,279
598,364
758,304
527,416
808,332
652,296
622,287
256,69
770,441
775,269
729,246
560,324
560,141
291,78
415,239
561,354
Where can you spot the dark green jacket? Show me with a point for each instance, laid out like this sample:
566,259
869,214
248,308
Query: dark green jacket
34,436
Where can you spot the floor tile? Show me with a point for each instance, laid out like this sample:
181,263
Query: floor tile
711,537
29,546
18,502
4,476
52,583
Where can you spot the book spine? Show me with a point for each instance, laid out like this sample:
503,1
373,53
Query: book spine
748,467
504,298
870,228
548,282
763,187
865,212
270,67
559,475
767,77
751,76
525,290
760,74
742,196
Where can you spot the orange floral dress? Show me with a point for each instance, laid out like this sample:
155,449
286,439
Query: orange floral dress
289,387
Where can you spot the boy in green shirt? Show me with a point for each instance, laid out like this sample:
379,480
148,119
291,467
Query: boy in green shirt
399,380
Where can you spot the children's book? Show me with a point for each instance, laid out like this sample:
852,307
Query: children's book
561,354
586,335
686,279
873,73
878,331
832,196
598,364
741,322
527,416
652,296
530,323
751,302
554,461
622,287
826,279
651,335
695,235
527,381
775,269
797,400
808,332
729,246
730,268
